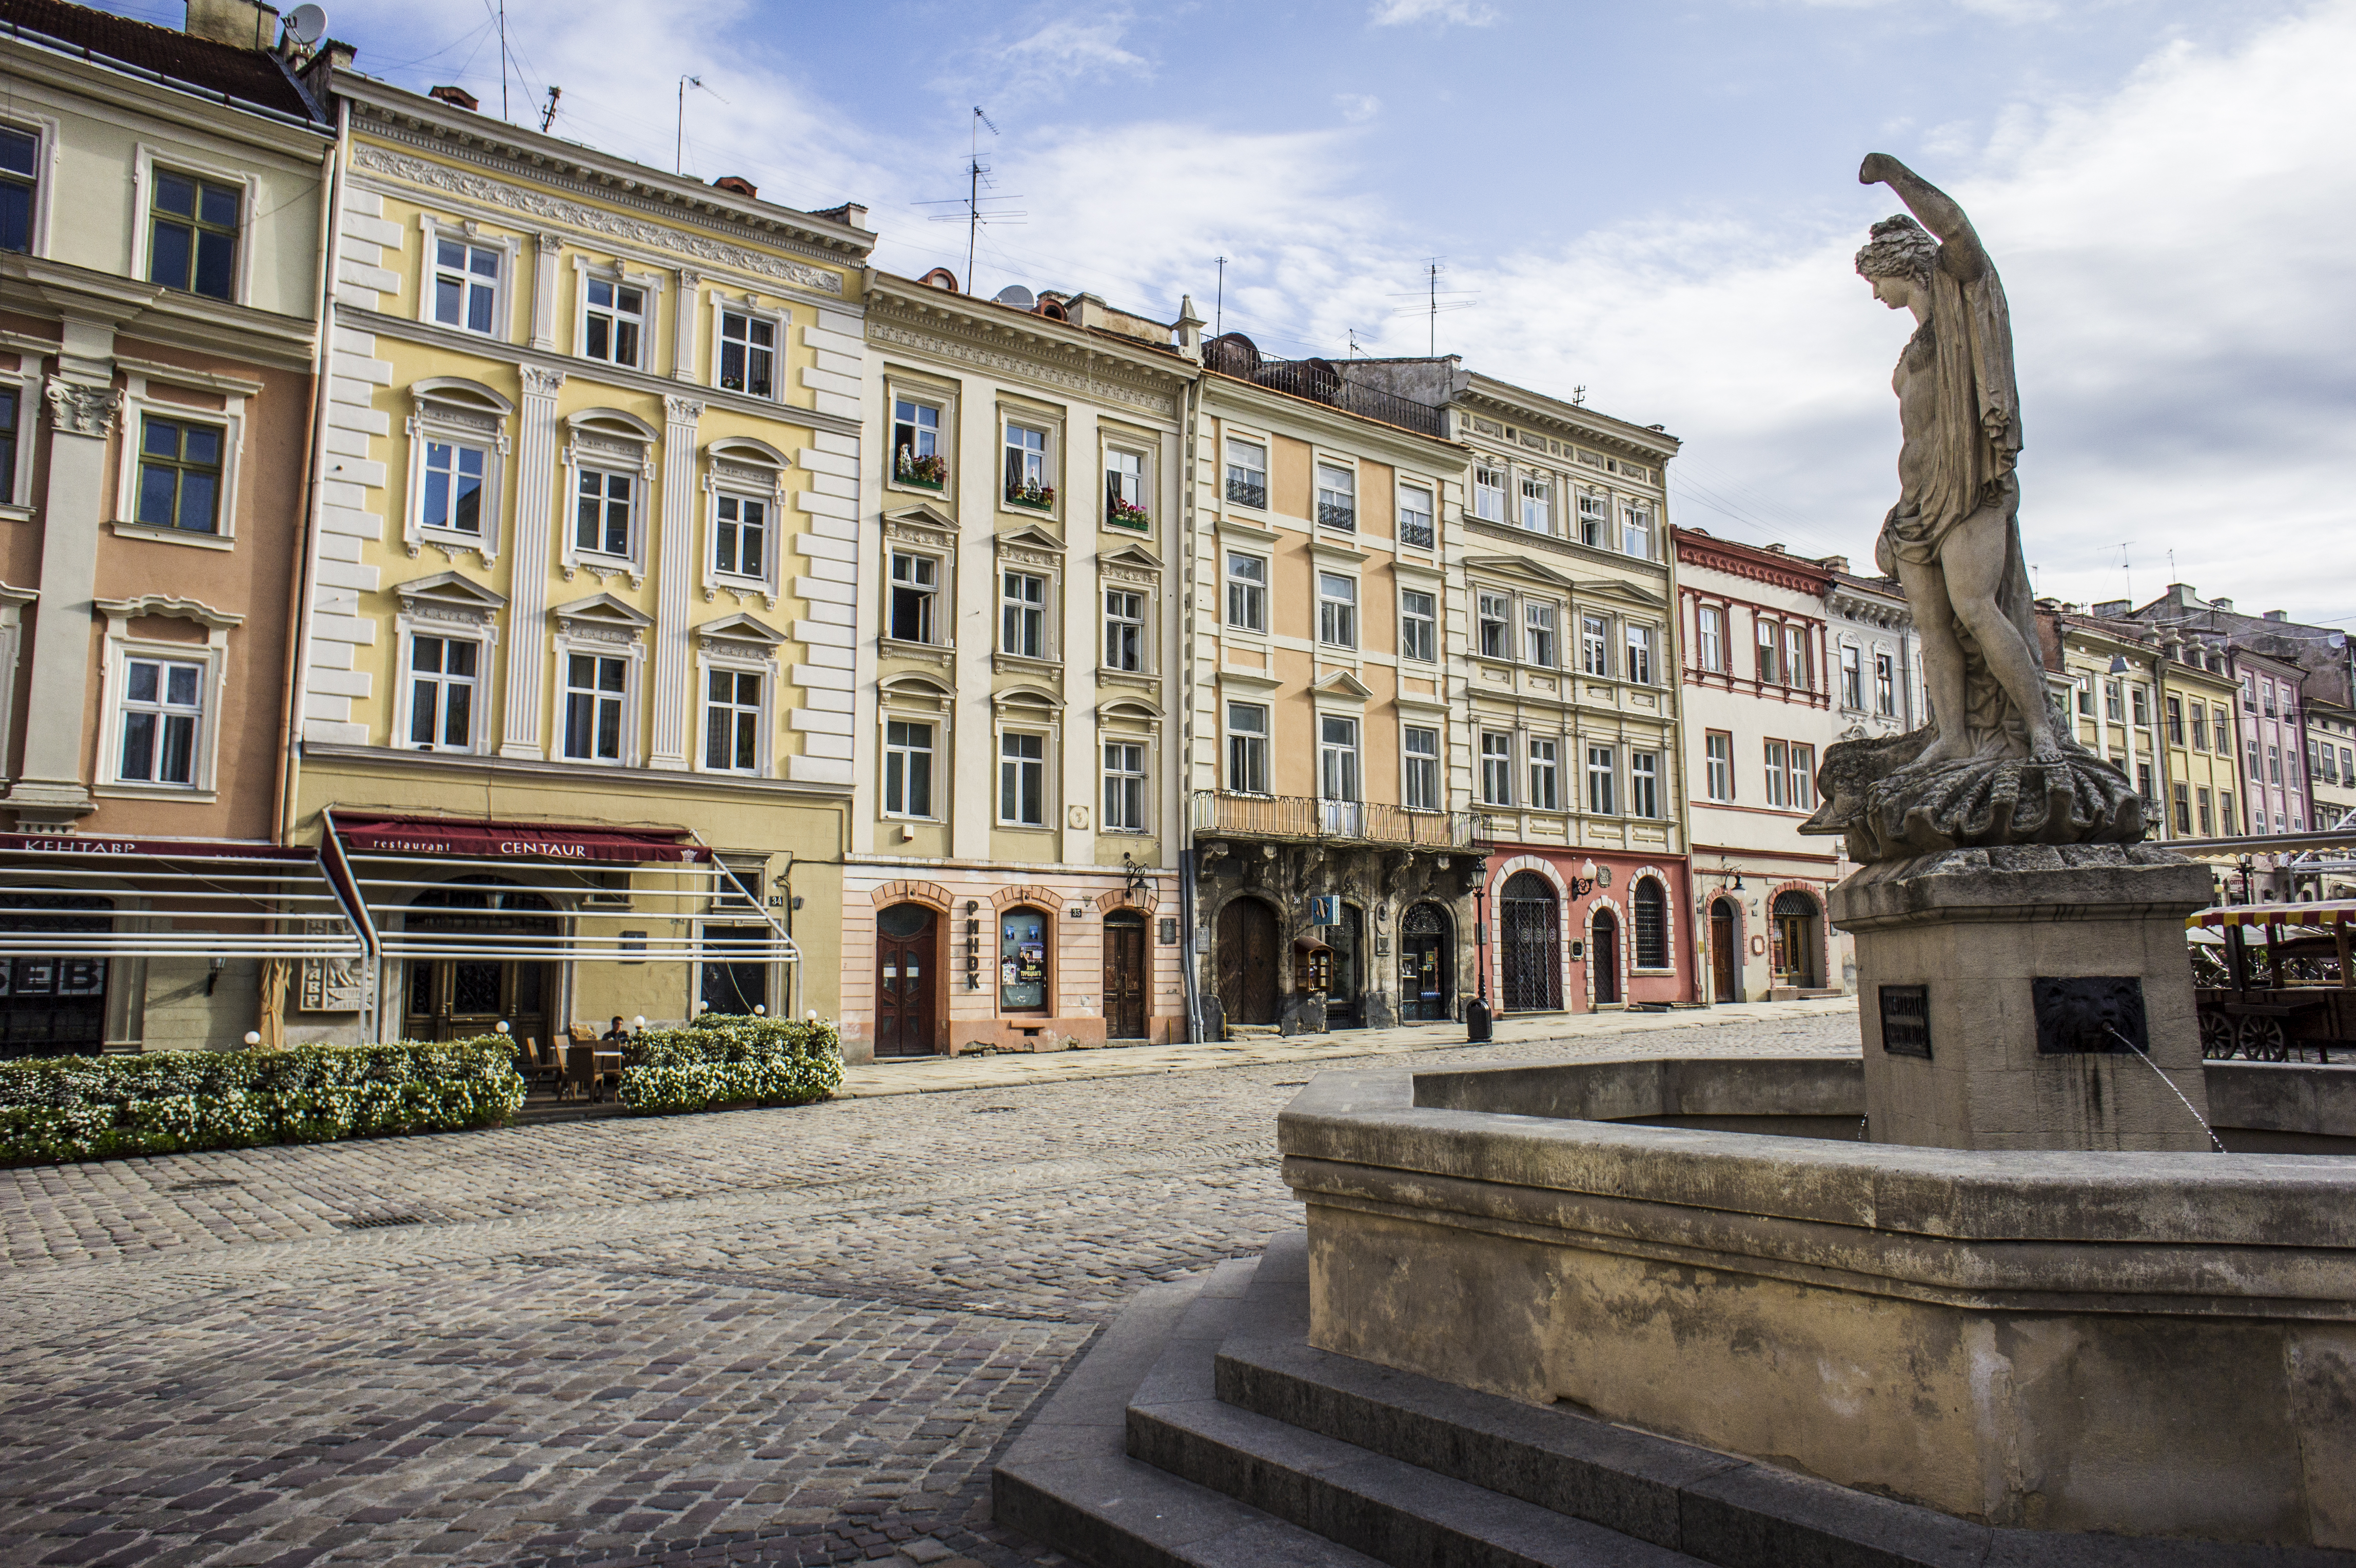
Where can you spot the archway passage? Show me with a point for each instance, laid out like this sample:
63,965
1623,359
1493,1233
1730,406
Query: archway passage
1427,955
907,937
1247,962
1724,959
1125,1006
1345,1000
1603,955
1529,933
458,998
1794,939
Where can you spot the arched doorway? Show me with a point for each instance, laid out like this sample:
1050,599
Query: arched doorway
1247,962
458,997
1345,1000
1794,941
1125,1006
907,980
1725,955
1427,965
1603,955
1529,938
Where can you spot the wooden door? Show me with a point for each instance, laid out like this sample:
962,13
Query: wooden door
1722,954
906,938
1793,962
1247,962
1603,956
461,998
1124,977
1424,961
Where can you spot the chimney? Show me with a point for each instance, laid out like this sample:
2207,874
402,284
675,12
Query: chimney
454,95
241,24
850,215
2225,604
1189,329
2114,607
1833,562
737,185
1773,549
2275,614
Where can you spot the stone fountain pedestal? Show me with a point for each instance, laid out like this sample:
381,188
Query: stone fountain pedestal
2031,996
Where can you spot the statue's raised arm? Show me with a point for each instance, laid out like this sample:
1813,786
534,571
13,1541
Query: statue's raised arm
1959,251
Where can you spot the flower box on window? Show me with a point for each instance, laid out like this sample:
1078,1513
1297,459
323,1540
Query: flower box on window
1039,498
930,472
1121,513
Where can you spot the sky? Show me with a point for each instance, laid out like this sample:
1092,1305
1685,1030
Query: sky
1655,202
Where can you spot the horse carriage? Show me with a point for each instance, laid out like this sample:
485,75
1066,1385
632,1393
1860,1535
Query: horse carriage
2275,981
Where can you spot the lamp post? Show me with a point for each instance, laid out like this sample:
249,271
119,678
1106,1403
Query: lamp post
1584,882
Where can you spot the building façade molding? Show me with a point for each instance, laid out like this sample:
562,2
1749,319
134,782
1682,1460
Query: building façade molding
1066,369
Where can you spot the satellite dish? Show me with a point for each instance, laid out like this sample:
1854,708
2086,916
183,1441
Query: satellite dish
306,25
1015,295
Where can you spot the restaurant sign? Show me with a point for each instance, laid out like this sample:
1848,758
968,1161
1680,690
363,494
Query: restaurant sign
515,841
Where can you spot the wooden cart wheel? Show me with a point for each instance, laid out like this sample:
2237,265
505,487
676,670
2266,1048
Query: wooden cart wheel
2263,1040
2216,1036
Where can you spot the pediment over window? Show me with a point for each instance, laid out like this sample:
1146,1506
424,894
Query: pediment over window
745,449
1520,567
740,629
459,393
449,593
1627,593
1342,683
165,604
1132,556
1030,536
601,612
1133,710
1015,699
611,423
915,688
924,514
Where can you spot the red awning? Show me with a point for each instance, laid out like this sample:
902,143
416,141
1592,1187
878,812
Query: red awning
444,836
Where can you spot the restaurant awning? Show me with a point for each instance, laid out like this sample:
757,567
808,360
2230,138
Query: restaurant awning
2338,912
88,895
472,888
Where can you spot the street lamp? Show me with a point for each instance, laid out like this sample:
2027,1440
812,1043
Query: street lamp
1584,882
2246,866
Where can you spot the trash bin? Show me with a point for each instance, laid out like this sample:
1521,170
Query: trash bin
1476,1022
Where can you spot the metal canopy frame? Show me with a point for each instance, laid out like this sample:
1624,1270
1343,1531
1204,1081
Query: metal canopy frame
224,900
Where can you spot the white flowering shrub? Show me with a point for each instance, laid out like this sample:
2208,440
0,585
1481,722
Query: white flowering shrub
731,1060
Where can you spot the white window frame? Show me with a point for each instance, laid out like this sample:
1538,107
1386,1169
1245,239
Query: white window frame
1255,593
435,227
211,655
1534,498
1142,627
405,707
1885,684
1640,648
1337,615
1775,765
599,442
1541,620
1852,677
781,319
458,414
1709,638
1636,515
715,660
1417,500
1260,443
732,473
1050,428
1643,784
648,285
1496,768
1142,454
1352,754
1483,601
1320,465
633,662
938,593
1489,498
1047,740
1143,783
1421,772
44,130
181,158
140,401
1423,649
25,381
1256,745
1602,783
934,775
1595,646
1544,754
1042,610
1594,518
1718,765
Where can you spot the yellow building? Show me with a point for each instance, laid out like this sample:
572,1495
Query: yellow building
2146,705
576,660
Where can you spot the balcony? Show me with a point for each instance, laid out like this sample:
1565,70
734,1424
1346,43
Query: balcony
1356,821
1337,514
1247,492
1416,532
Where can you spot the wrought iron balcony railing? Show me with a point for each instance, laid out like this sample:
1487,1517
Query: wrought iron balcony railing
1412,531
1330,515
1244,492
1363,822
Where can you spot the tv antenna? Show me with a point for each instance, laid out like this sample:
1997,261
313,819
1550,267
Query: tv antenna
548,114
1355,349
679,144
1437,299
2128,570
1220,302
977,174
503,59
1579,395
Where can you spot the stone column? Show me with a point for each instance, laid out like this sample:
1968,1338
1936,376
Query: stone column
528,605
546,248
51,790
674,692
682,335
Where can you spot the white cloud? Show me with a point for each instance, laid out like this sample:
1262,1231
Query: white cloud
1459,13
1357,108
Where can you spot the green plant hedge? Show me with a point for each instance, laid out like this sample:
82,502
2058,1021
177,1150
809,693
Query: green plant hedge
730,1060
165,1102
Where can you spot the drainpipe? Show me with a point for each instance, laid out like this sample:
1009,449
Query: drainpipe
1188,958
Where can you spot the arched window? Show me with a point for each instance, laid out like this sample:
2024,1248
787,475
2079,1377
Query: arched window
1531,944
1651,919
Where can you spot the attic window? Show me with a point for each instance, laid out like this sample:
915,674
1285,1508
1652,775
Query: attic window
737,185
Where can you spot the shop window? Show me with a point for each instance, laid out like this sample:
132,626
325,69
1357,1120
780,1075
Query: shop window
1023,961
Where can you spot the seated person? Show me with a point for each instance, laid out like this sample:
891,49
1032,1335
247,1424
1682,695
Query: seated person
617,1032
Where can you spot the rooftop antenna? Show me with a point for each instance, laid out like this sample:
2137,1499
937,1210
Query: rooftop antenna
2129,571
548,115
1579,395
1456,300
1355,349
679,144
503,59
975,171
1220,302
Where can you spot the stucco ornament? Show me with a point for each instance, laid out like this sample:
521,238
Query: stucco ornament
79,408
1997,764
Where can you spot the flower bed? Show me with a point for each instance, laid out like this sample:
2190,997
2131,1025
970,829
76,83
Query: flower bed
166,1102
730,1060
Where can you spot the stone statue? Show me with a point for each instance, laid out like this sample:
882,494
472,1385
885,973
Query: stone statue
1997,764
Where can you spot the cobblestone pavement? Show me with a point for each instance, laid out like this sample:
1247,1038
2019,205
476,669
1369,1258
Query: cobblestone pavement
783,1336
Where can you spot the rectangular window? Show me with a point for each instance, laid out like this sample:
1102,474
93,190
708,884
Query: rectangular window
442,674
2225,730
1537,635
1497,769
1418,625
1798,665
1415,518
1496,625
1885,685
1643,784
2175,720
1771,637
1124,630
1124,787
11,409
1538,503
1595,520
2249,695
1595,645
2267,690
1028,481
748,354
179,475
2143,783
1337,757
1640,654
453,497
1852,677
2320,758
1247,593
2085,684
2200,727
1337,612
467,286
1712,640
601,524
917,455
192,227
1022,616
162,703
615,323
731,722
1247,748
1718,765
595,687
1601,795
1637,532
1247,473
2183,793
2208,813
1545,794
740,537
907,770
2348,765
1337,497
1125,489
1779,773
2257,765
1488,493
1420,748
1022,779
19,182
916,586
2226,815
1803,793
2142,705
2274,764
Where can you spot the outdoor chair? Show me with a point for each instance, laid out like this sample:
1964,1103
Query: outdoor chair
580,1076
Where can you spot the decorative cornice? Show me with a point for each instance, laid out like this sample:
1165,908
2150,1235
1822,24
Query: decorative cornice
590,219
1049,364
1757,566
165,604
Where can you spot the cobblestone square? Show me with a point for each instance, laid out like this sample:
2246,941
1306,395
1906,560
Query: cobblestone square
784,1337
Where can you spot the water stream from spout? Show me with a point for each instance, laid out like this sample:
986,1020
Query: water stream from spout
2135,1051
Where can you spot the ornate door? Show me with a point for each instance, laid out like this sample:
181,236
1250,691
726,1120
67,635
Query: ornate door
1247,962
1795,939
460,998
1124,977
1424,965
1603,955
906,936
1723,956
1530,936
